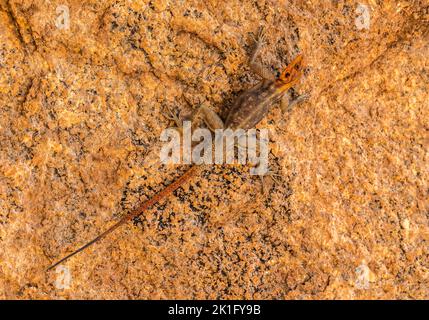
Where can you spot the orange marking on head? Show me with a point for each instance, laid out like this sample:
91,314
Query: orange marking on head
291,74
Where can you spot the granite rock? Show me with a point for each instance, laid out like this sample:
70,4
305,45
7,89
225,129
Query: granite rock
84,86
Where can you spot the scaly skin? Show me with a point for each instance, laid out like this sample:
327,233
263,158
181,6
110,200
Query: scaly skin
248,110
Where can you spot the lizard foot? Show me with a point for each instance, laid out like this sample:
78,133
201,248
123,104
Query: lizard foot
287,105
257,67
172,115
276,180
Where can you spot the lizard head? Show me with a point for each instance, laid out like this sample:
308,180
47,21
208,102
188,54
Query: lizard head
291,74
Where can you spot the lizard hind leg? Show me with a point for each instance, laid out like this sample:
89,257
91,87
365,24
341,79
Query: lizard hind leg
275,178
211,118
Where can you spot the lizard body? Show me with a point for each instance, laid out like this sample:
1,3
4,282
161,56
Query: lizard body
247,111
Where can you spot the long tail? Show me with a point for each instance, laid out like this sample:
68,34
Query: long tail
137,212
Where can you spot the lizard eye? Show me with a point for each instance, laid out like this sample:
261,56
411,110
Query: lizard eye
278,73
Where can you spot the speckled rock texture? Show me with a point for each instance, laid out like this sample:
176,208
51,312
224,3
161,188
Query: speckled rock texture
82,107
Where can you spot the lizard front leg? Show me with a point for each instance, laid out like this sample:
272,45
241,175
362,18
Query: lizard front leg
256,67
287,103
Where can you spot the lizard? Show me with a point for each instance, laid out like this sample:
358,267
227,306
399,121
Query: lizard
250,107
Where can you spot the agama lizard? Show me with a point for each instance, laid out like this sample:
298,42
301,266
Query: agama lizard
247,111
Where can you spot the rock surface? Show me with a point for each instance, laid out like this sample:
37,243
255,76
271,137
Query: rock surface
82,110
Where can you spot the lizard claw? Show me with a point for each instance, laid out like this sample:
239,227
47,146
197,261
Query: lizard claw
275,177
172,115
259,39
